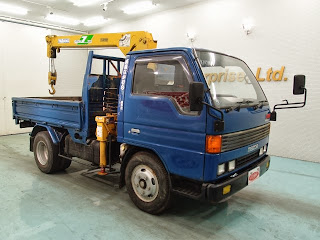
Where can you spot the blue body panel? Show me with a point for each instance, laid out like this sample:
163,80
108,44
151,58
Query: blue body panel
57,113
236,121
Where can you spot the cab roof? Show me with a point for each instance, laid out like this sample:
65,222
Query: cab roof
188,50
157,50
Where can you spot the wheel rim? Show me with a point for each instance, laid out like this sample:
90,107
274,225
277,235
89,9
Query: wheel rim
145,183
42,153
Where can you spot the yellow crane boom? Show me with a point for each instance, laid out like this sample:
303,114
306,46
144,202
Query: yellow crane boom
126,42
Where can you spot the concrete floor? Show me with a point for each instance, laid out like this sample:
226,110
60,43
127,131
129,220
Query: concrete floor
283,204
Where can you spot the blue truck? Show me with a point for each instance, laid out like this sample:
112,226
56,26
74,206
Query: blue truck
188,121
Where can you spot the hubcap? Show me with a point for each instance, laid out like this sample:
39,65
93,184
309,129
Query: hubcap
145,183
42,153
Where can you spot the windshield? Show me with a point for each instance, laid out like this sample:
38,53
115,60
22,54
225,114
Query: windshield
230,81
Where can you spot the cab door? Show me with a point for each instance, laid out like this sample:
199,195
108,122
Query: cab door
157,113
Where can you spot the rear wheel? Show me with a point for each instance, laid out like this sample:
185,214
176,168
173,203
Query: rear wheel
148,183
46,154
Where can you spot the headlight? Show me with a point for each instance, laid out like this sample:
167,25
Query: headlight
221,168
231,165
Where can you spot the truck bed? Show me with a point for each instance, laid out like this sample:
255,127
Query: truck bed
62,112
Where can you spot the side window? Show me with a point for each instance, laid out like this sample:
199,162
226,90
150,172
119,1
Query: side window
164,76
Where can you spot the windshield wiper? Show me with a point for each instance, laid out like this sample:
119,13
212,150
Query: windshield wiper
260,104
237,108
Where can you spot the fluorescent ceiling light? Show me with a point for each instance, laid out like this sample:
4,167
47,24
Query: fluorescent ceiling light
61,19
139,7
83,3
13,9
94,21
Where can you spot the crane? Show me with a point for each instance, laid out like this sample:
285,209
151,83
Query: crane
125,41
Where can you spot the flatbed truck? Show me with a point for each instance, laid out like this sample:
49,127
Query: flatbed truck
179,120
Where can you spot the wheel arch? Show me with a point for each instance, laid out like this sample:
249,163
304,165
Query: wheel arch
55,135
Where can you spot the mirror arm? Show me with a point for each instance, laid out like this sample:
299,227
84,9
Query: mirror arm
219,118
292,105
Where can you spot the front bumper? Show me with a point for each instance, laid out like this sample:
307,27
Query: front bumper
213,192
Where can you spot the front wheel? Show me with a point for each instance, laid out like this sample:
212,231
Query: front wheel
148,183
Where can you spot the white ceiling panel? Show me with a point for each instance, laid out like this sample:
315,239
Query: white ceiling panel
39,9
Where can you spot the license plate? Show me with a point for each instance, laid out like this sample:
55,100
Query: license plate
253,175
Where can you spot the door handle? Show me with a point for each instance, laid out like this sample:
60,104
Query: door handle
134,131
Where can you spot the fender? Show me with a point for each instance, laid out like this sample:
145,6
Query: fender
55,136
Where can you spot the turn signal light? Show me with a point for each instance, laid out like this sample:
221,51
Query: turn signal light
213,144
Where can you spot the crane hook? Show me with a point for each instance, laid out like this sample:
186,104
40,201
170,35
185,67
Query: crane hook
53,90
52,79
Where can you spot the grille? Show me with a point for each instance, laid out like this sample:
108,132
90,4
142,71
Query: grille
240,139
246,159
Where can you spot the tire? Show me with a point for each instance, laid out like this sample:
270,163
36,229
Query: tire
148,183
65,163
46,153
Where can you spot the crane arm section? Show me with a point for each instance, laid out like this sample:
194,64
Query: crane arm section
126,42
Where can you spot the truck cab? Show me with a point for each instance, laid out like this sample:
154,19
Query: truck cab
202,150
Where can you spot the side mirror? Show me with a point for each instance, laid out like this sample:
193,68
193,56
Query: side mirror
299,84
196,95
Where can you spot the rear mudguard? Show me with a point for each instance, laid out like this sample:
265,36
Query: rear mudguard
55,135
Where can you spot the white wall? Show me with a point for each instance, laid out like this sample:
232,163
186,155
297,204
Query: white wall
24,69
286,34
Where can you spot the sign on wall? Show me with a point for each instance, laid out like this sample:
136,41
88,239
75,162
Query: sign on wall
232,75
274,75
